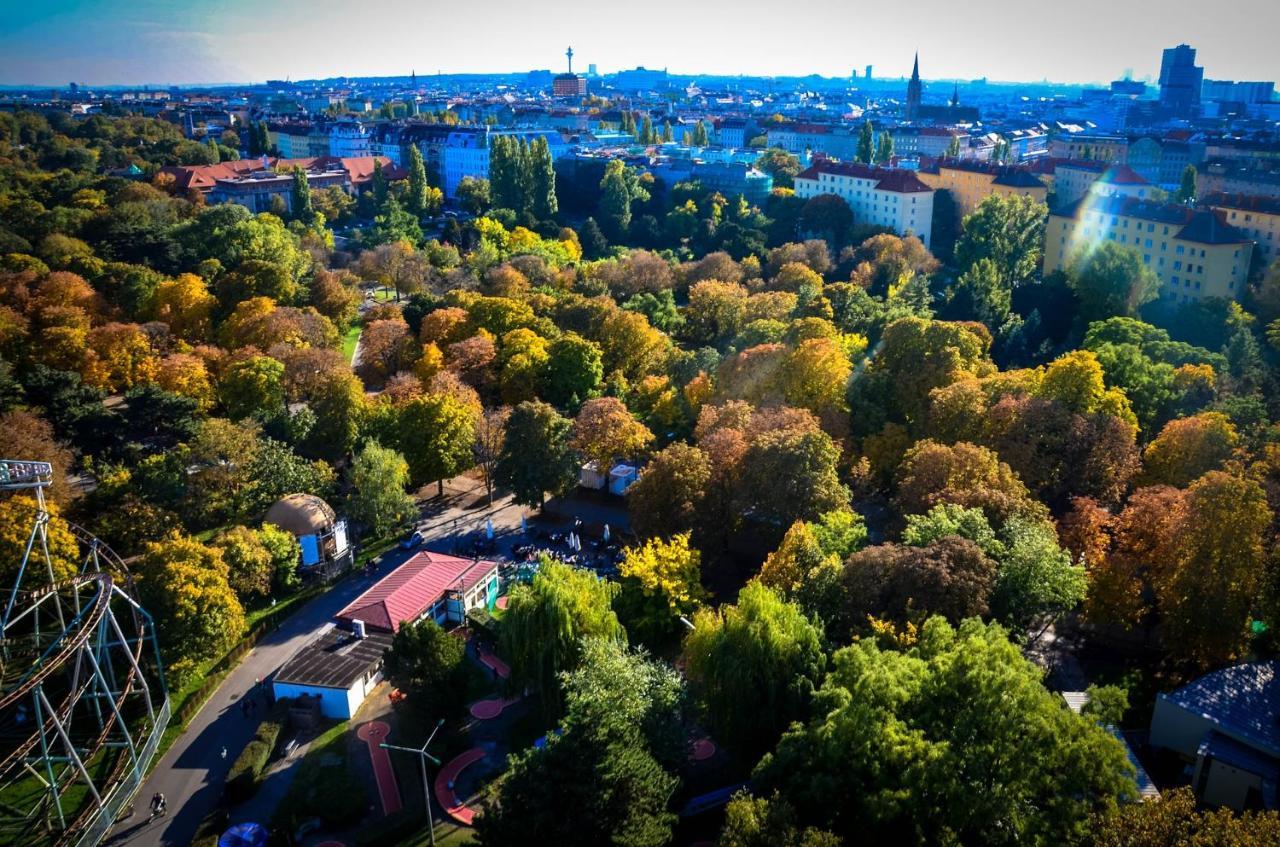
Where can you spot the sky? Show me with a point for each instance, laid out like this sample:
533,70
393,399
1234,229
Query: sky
168,42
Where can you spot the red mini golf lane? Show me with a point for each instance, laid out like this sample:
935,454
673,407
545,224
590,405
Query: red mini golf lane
487,710
374,733
493,662
502,602
447,777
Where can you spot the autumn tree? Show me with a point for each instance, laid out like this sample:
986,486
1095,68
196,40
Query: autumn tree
1176,817
491,436
1188,448
249,564
605,429
661,582
435,432
666,499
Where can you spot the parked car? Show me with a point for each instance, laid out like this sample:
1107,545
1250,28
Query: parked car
411,541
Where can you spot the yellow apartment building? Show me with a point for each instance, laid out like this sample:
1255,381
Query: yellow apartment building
970,182
1258,217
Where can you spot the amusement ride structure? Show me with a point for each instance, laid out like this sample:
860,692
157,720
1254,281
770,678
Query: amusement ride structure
83,703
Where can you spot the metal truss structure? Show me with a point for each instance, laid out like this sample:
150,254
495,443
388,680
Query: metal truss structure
83,703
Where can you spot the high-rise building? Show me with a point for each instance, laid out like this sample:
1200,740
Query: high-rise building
867,75
914,91
569,84
1180,79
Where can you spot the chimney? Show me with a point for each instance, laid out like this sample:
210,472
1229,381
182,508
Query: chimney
357,627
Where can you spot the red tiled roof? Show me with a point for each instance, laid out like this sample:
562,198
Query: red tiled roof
1122,175
1243,202
411,589
359,169
887,179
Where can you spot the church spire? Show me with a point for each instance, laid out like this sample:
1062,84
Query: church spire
914,90
955,96
915,68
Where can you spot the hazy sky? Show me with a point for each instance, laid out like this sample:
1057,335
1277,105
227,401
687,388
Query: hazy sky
53,42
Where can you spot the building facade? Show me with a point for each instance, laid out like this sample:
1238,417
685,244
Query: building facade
1180,80
1193,251
972,182
349,140
1102,148
1256,217
888,197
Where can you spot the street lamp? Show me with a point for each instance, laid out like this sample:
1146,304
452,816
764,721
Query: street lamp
423,755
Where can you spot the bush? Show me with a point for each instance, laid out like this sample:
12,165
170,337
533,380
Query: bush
246,770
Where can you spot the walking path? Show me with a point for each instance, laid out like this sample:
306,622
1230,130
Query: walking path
445,780
374,733
493,662
487,710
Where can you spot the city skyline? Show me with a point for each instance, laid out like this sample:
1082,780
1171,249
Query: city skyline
113,42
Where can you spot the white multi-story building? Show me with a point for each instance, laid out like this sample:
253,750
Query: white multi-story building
889,197
349,140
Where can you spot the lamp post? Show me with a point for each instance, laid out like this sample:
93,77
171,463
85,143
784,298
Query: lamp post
423,755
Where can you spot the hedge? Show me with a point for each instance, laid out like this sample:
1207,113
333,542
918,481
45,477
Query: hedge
242,779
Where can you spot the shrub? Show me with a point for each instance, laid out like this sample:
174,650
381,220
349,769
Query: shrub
246,770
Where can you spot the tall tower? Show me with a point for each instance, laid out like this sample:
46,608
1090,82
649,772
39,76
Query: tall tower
569,53
955,96
913,91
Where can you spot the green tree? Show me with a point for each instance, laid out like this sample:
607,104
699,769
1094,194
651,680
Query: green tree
929,745
473,194
982,294
545,623
1036,578
1007,230
1187,189
285,553
604,777
416,196
953,148
249,562
301,206
1111,280
435,432
574,370
661,581
866,144
781,165
253,388
536,458
667,498
378,478
760,822
1176,818
392,224
884,148
619,188
430,666
543,179
762,651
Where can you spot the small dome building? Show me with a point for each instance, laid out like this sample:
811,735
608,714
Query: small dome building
326,550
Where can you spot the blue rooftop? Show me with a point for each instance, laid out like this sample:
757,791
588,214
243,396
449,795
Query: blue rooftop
1244,702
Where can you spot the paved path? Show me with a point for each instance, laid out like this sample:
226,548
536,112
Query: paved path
374,733
191,773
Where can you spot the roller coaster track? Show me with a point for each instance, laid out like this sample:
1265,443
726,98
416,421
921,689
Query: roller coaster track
81,686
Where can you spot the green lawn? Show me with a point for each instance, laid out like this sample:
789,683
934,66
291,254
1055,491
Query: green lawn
349,342
324,786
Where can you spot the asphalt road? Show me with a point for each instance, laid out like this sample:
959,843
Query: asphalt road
191,773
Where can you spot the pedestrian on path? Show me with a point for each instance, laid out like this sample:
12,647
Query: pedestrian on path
224,754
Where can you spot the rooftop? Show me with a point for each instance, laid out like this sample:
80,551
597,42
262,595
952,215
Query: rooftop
1122,175
1242,701
334,660
410,590
1204,226
1243,202
887,179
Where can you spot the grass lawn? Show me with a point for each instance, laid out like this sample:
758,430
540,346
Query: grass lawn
324,786
384,295
349,341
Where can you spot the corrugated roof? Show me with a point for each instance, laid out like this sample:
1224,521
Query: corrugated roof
410,590
1242,701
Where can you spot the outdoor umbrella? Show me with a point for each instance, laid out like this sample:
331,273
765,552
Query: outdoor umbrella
244,835
488,528
606,532
524,527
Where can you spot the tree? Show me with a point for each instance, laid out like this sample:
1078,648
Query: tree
545,623
393,224
183,583
536,458
980,293
17,523
759,822
253,388
1206,596
661,582
950,576
828,216
700,138
491,436
605,429
249,562
285,553
781,165
762,651
802,571
789,474
378,478
574,370
1187,189
1177,818
884,148
1188,448
929,745
472,194
430,666
301,206
436,433
866,144
964,474
416,196
1111,280
543,180
604,777
953,148
1007,230
619,188
1037,578
666,499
